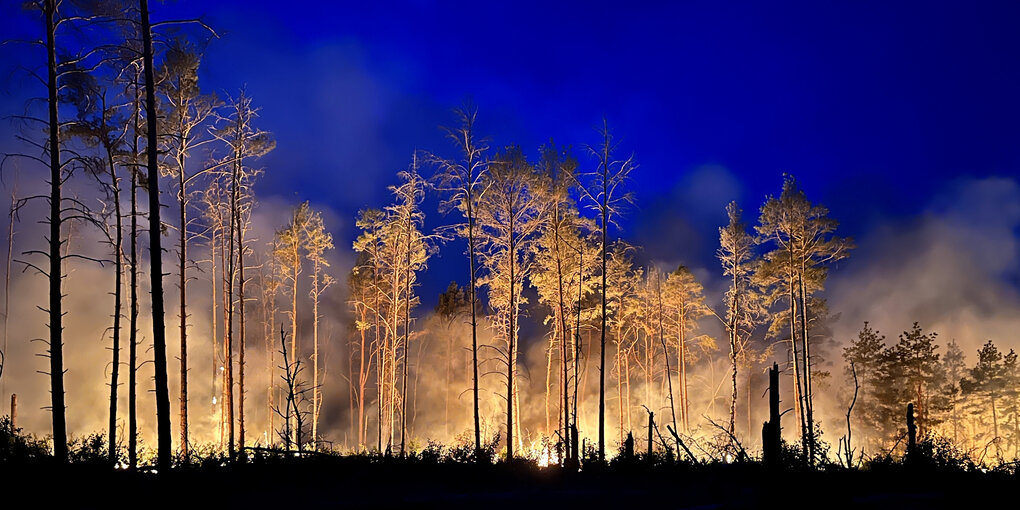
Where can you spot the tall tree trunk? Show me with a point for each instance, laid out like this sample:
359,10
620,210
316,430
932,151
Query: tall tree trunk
117,294
56,314
474,322
182,284
156,253
602,342
510,354
229,277
133,305
685,403
665,351
564,330
732,326
226,304
213,334
806,349
316,396
407,332
7,275
797,387
240,303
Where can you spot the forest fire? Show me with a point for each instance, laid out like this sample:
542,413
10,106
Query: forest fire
493,301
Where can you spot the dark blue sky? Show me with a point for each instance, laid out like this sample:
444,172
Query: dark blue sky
874,106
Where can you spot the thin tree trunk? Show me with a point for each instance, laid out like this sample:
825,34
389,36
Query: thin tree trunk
407,337
808,397
133,305
797,388
242,339
315,354
602,342
229,276
117,295
56,345
474,320
662,340
7,275
213,335
734,304
183,286
510,354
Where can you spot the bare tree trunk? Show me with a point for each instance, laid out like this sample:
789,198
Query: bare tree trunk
240,303
362,380
315,355
229,277
602,342
797,388
808,397
662,340
133,305
685,403
510,355
407,336
7,276
564,330
56,314
732,326
226,381
182,285
474,320
213,334
156,253
117,294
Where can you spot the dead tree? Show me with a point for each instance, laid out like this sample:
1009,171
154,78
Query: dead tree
771,433
848,452
292,413
163,432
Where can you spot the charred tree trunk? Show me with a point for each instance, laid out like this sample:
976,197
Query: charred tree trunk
602,341
55,274
240,296
133,304
117,297
474,322
772,430
163,432
182,284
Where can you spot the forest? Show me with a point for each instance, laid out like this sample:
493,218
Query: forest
220,329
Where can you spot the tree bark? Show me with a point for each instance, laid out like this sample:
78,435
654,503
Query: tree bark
156,253
56,345
117,295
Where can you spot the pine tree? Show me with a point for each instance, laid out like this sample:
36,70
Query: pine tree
316,241
742,306
987,381
804,247
510,215
606,196
461,180
185,112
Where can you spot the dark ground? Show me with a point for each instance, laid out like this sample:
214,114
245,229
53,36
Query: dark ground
360,482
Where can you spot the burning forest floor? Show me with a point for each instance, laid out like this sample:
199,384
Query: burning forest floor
422,480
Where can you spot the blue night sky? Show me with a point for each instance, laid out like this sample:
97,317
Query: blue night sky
876,107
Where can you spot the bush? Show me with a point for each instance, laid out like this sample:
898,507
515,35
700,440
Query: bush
16,446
